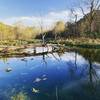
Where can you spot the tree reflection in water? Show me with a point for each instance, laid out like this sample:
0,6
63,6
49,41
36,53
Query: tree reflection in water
82,81
91,56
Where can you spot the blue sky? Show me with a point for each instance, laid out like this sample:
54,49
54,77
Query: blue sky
11,10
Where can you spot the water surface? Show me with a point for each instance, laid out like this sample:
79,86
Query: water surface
70,75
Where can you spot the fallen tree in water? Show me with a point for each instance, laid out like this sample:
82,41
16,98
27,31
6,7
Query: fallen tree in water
28,50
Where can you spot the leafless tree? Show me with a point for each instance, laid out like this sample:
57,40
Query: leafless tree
93,6
59,28
43,33
75,15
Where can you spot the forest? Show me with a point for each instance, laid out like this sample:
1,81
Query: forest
86,27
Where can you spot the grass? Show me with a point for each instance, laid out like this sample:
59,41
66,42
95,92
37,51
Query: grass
19,45
18,42
69,41
79,42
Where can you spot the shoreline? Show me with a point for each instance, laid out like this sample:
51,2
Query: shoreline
71,43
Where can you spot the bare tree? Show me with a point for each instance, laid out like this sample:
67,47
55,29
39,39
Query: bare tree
92,6
75,15
59,28
43,33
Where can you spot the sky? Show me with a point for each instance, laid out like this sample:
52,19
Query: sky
30,12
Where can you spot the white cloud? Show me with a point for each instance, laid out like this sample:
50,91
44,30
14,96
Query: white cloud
70,57
48,20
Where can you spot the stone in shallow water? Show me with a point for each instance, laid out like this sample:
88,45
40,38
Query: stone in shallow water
23,59
8,69
44,79
35,90
40,79
37,80
44,75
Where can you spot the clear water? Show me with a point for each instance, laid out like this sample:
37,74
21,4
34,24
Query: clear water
56,76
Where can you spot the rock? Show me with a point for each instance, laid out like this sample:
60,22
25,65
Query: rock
8,70
44,79
44,76
35,90
37,80
23,59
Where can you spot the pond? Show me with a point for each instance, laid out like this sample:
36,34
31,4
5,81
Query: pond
69,75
